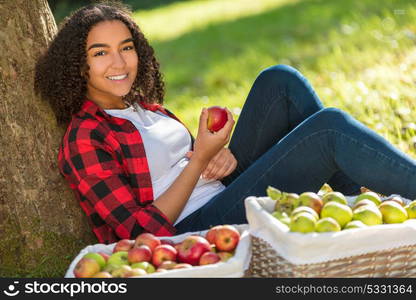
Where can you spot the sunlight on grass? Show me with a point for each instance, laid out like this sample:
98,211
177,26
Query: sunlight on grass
171,21
359,55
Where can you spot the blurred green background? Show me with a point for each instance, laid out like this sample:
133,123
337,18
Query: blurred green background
359,55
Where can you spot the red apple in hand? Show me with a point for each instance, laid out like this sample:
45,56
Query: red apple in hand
191,249
217,117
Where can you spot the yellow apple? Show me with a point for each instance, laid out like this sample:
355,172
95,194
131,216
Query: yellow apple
368,214
340,212
303,222
392,212
370,196
327,225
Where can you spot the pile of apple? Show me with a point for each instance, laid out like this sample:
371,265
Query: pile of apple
148,254
329,211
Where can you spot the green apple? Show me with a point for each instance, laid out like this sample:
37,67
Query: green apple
303,222
273,193
102,274
110,268
334,196
370,196
134,273
121,271
293,199
86,267
392,212
282,217
148,267
325,188
396,199
327,225
340,212
355,224
312,200
118,258
100,260
411,210
363,202
368,214
306,209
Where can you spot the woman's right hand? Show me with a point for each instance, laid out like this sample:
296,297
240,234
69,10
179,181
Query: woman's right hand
207,144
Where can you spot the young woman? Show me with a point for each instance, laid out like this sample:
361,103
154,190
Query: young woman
134,166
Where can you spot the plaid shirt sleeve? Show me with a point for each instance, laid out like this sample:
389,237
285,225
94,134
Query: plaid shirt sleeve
101,180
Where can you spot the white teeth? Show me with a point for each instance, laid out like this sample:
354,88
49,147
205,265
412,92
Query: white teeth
119,77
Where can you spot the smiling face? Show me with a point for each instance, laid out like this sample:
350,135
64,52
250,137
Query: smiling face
113,61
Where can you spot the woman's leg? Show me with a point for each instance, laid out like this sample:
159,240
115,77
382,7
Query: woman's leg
326,142
280,99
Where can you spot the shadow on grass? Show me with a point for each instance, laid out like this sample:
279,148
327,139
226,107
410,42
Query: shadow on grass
298,31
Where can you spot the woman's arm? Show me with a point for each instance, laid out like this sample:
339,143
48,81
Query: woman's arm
103,187
207,145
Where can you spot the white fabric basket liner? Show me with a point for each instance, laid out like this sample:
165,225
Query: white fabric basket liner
299,248
234,267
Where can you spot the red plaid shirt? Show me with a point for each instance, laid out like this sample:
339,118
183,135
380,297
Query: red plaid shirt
103,159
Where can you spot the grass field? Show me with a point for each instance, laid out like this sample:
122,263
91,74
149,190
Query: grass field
359,55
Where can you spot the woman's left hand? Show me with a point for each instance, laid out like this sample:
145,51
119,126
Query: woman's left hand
221,165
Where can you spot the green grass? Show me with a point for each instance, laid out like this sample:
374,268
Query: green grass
358,55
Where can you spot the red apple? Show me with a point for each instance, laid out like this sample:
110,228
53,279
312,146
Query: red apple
139,254
163,253
191,249
312,200
86,267
177,246
104,255
168,265
227,238
182,266
123,245
121,271
134,273
160,270
209,258
224,256
102,274
212,233
147,239
217,117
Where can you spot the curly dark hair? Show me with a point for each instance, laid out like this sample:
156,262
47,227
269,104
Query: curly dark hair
58,71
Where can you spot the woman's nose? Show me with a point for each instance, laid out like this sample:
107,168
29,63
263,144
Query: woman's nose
118,61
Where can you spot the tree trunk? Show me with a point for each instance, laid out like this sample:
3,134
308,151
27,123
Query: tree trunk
42,226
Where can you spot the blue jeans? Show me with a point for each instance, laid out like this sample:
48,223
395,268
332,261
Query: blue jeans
285,138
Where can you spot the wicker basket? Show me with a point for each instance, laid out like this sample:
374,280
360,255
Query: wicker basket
399,262
375,251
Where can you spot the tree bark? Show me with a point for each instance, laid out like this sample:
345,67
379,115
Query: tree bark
42,226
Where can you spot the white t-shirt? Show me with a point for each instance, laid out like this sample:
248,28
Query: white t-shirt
166,141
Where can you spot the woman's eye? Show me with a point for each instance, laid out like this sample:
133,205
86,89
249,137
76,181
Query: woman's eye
128,48
99,53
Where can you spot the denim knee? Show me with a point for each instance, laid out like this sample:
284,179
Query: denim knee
331,118
282,74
